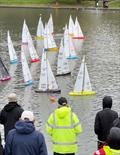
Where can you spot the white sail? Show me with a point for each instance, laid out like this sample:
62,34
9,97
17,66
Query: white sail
52,84
71,26
62,63
45,39
49,42
72,53
78,34
40,29
79,84
87,84
43,82
24,33
11,50
68,46
82,84
26,71
47,80
50,24
32,50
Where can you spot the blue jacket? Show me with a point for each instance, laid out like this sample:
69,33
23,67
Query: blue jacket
25,140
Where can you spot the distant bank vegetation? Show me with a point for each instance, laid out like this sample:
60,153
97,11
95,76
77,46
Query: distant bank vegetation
112,3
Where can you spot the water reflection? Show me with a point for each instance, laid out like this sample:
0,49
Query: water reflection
102,49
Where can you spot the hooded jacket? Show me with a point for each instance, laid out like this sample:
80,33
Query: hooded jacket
63,126
1,147
25,140
104,119
113,141
9,115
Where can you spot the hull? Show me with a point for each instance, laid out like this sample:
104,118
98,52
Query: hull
64,74
35,60
73,57
14,61
78,37
39,37
30,82
73,93
48,91
53,49
5,78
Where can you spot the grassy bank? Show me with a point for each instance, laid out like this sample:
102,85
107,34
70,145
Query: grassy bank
84,3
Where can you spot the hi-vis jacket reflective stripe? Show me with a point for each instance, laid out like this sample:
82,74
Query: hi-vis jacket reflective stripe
63,125
106,150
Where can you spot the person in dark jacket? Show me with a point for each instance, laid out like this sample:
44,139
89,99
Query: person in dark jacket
24,139
1,147
113,143
105,3
104,121
10,114
116,122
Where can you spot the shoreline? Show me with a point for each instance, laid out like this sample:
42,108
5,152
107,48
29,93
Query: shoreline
50,6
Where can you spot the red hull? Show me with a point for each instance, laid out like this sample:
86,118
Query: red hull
35,60
5,78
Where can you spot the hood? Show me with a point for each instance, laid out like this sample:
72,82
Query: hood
10,106
63,111
107,102
24,127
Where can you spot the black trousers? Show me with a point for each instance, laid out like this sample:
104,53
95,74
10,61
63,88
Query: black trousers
64,154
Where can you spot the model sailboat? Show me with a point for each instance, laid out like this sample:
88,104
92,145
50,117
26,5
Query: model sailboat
26,71
40,30
11,50
32,50
47,81
62,63
25,32
68,46
82,84
4,74
49,42
78,34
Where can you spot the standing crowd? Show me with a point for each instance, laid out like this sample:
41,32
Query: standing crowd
63,126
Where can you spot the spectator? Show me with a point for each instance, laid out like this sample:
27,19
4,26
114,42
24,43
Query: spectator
24,139
104,121
1,147
105,3
10,113
116,122
113,143
96,3
63,126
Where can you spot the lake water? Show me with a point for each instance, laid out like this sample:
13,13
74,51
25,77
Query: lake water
102,50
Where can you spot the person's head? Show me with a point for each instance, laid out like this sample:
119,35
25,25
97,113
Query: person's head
107,102
12,97
27,116
113,139
62,101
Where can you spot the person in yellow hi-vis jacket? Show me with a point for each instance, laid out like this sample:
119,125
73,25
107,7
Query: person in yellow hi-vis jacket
63,126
